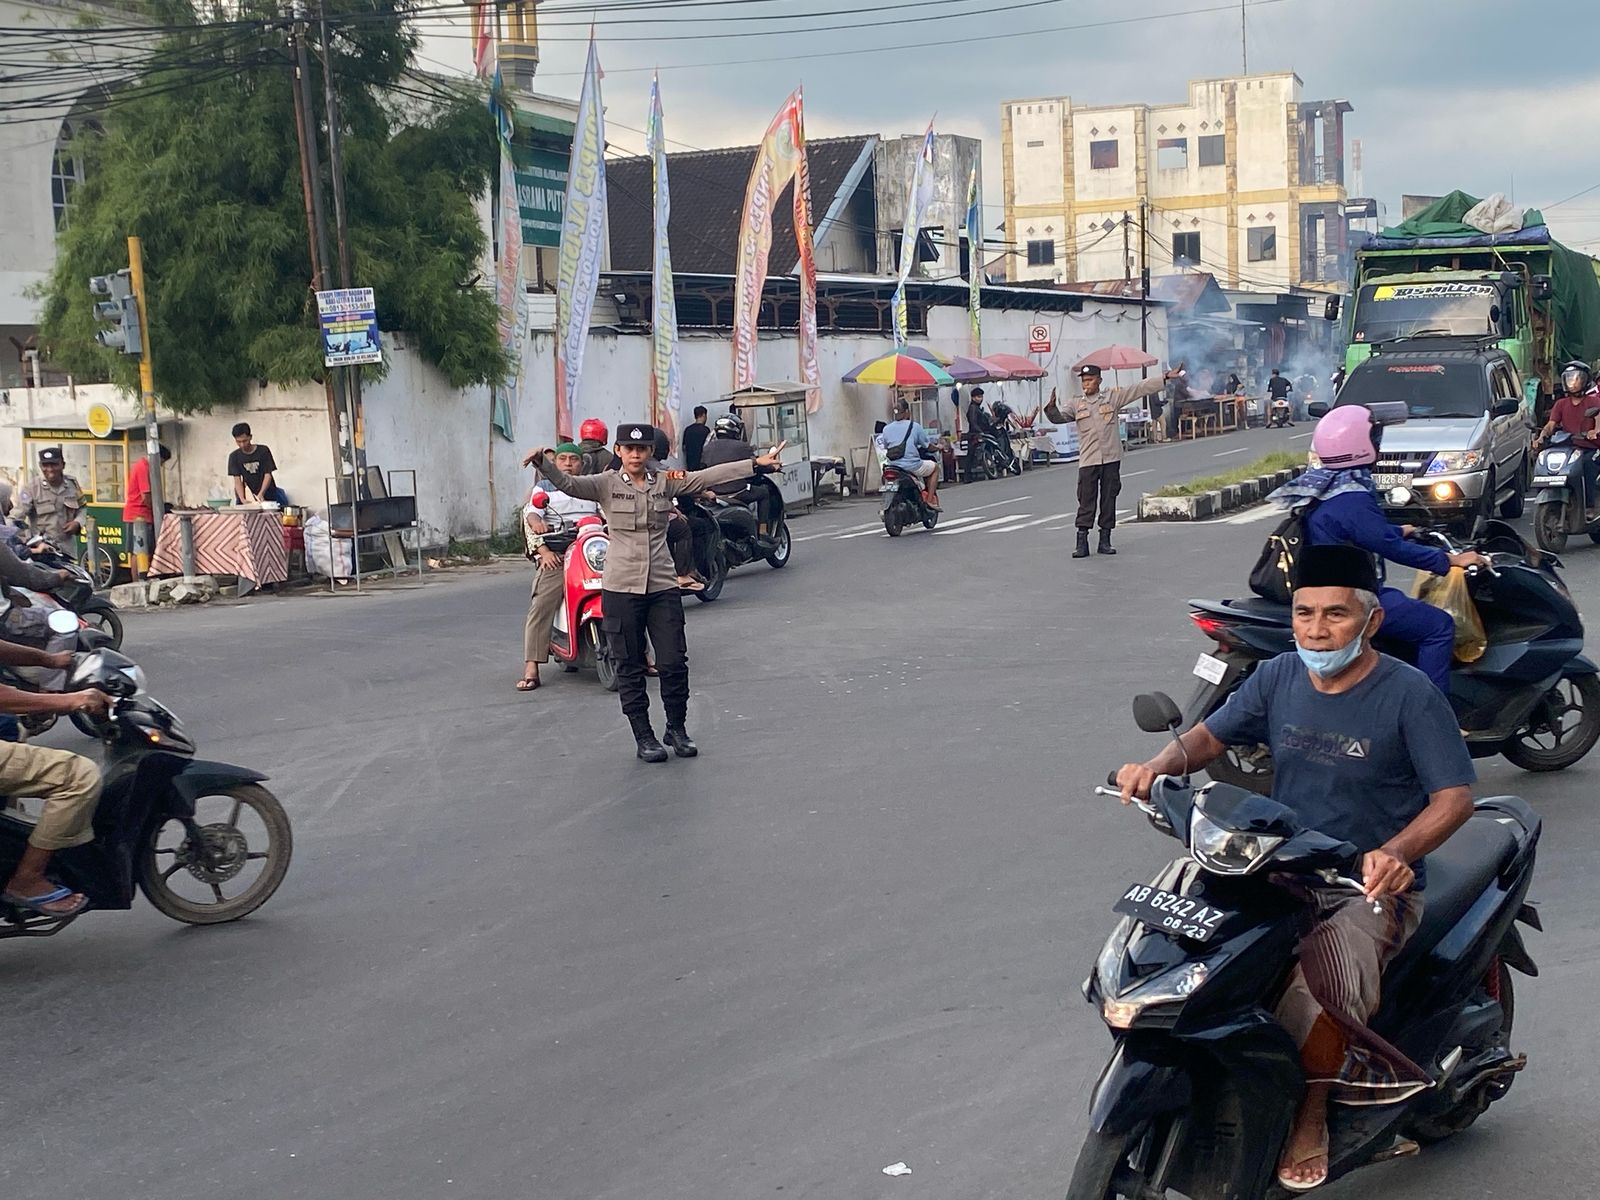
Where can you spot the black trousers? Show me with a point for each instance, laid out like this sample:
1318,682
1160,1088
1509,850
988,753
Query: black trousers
1099,484
630,619
680,543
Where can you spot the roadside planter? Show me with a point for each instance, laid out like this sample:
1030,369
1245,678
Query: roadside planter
1224,499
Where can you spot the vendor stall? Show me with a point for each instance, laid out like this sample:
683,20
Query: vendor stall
100,465
773,413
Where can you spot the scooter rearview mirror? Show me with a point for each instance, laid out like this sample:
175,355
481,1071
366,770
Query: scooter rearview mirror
1155,712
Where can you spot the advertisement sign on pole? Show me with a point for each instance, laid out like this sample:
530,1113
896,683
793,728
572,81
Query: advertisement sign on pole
349,320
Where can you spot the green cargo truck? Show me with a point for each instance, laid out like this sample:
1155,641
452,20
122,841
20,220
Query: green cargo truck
1437,277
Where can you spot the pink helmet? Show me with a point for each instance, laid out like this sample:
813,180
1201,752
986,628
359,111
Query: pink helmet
1347,437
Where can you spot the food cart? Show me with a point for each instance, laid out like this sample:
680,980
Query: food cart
773,413
100,465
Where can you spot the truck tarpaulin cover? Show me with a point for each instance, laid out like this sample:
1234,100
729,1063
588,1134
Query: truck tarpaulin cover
1575,277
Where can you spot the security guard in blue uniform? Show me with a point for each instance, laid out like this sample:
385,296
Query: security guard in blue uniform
639,590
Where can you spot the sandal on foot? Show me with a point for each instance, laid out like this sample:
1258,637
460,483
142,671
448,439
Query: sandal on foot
527,685
36,904
1293,1186
688,583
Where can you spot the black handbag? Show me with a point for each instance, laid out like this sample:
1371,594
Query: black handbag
1272,578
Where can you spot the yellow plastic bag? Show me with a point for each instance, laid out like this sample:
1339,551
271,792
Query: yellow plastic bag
1451,593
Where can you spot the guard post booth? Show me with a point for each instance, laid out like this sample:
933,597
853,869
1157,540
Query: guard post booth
773,413
99,461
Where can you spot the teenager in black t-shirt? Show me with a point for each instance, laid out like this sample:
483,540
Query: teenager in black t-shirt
251,467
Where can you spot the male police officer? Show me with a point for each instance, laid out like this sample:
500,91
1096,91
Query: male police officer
53,502
639,590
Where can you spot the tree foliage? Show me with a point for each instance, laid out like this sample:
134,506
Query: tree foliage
200,160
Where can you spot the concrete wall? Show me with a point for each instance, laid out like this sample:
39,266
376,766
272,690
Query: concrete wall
894,163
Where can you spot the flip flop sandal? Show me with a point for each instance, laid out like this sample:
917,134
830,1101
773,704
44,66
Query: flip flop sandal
1292,1186
528,685
36,904
694,585
651,672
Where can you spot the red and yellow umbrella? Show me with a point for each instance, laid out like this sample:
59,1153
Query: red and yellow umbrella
899,369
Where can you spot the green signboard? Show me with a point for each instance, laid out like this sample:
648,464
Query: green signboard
541,192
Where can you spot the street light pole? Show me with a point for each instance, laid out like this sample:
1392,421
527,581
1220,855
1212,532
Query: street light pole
147,387
1144,278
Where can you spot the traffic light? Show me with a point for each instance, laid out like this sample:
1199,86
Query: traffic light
120,310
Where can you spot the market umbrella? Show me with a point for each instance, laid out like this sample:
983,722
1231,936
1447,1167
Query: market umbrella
976,370
928,354
898,369
1116,358
1016,366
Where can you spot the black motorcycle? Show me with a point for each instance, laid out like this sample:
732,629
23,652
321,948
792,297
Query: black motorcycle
1532,697
1559,505
1203,1082
77,593
904,502
204,841
733,537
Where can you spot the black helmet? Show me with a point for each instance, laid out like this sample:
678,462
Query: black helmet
729,426
1576,377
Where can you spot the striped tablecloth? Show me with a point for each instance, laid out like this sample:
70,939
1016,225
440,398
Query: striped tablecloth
243,542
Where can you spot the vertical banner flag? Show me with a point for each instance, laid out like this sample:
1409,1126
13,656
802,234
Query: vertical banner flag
810,372
482,40
780,159
582,242
921,195
511,296
975,260
665,370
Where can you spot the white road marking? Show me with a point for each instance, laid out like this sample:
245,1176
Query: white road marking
997,504
1032,523
811,537
1249,516
1225,453
1136,474
1006,520
1295,437
878,528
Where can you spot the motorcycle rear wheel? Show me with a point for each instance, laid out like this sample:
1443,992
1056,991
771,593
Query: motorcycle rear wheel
932,519
231,850
893,522
107,622
1429,1130
1571,743
780,557
715,578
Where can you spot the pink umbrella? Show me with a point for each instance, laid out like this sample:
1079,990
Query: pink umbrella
976,370
1116,358
1015,366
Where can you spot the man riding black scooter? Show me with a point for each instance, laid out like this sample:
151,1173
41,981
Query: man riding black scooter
1577,413
728,444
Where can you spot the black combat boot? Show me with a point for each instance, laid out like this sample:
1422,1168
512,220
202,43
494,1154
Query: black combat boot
677,737
1082,550
649,749
1105,543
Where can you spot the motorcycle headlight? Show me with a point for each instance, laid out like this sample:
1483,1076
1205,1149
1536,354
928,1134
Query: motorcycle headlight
1226,851
1555,461
594,553
1454,460
1158,1002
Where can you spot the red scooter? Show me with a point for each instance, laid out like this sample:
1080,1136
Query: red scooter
576,640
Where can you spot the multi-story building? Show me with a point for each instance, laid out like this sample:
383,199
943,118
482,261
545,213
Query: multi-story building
1244,180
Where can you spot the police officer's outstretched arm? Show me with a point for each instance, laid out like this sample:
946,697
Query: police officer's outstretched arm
697,481
585,487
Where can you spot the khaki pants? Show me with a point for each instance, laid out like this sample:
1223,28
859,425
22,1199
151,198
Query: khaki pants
549,590
69,785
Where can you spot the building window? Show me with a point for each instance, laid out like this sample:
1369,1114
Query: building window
1172,154
1263,243
1102,155
1214,150
1041,253
66,166
1038,145
1186,249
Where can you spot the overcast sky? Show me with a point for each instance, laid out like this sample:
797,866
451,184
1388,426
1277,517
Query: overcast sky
1473,94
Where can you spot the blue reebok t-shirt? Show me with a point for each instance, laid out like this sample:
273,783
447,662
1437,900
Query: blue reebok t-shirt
1359,765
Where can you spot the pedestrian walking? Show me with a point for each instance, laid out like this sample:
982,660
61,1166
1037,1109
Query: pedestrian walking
639,589
1100,448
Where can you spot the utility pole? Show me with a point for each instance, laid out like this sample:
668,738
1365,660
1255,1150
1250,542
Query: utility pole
1127,254
147,387
305,125
342,230
1144,278
1244,42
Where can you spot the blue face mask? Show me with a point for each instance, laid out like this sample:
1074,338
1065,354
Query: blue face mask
1328,663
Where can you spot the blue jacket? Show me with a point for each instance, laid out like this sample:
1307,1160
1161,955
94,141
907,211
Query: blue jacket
1354,519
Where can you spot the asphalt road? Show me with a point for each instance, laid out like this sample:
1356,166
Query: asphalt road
511,961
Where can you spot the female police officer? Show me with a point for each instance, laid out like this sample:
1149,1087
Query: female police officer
640,589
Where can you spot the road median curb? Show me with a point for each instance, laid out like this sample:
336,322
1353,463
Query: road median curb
1204,505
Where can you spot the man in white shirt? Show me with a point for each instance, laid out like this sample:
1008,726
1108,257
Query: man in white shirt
549,530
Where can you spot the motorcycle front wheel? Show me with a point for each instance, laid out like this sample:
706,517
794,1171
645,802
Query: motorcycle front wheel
604,668
1563,728
107,622
780,556
1550,526
715,578
201,873
1117,1166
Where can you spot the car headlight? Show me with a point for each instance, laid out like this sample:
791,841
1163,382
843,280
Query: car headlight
594,553
1226,851
1454,460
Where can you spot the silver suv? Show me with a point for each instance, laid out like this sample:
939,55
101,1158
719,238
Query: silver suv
1465,449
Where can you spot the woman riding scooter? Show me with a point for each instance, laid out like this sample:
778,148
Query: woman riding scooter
1339,505
549,530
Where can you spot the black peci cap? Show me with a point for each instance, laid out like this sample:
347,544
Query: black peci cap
636,435
51,456
1088,370
1336,566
